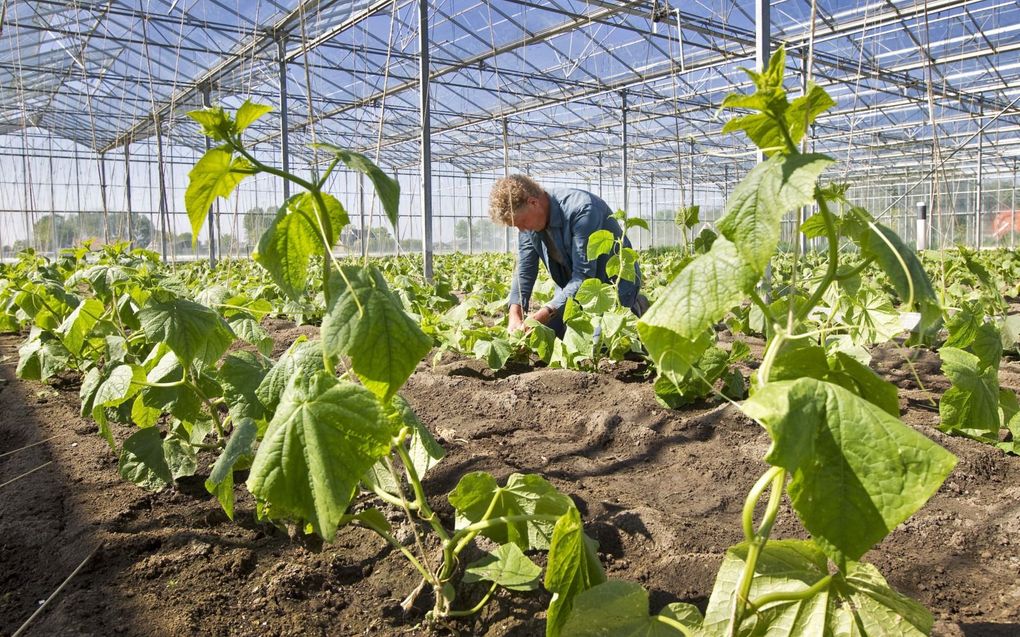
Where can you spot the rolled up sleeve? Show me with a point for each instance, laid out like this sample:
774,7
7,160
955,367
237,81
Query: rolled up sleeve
525,273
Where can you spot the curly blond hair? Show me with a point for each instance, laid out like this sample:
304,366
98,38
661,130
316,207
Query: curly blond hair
510,193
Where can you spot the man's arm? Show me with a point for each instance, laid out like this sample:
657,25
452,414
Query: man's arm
523,282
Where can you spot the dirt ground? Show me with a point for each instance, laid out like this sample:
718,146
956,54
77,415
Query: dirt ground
660,490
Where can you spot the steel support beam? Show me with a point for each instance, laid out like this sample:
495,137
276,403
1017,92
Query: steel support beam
127,197
102,196
762,52
979,191
506,173
623,152
214,208
426,139
284,125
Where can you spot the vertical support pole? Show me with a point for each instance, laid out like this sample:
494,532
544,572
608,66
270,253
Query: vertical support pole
363,221
214,209
127,196
655,215
471,223
690,168
922,225
506,173
164,216
53,203
623,149
77,190
426,138
803,213
1012,210
602,196
980,187
281,52
102,196
762,51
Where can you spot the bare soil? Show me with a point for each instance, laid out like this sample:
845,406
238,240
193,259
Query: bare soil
660,490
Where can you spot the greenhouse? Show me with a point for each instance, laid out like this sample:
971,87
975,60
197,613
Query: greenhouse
502,317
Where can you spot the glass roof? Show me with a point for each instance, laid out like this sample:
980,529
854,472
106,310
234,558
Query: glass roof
101,72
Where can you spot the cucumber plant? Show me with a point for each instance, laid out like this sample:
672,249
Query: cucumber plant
327,439
851,469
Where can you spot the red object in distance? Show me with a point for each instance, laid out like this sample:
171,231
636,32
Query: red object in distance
1004,221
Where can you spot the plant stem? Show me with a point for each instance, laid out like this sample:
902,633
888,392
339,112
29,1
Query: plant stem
477,607
506,519
760,302
397,545
672,623
855,270
756,545
792,596
833,261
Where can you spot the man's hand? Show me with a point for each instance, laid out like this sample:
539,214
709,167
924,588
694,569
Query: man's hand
543,315
516,320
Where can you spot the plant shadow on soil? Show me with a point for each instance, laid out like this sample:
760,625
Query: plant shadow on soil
660,490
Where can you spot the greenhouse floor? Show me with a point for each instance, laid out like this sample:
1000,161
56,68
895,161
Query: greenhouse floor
660,490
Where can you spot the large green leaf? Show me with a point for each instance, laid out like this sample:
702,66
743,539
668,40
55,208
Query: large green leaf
143,462
620,609
123,382
424,450
573,568
506,566
855,603
240,376
41,356
477,493
756,207
216,174
367,322
79,323
287,247
324,436
856,471
971,405
901,265
195,333
600,242
248,330
863,381
386,187
303,358
673,328
247,113
221,479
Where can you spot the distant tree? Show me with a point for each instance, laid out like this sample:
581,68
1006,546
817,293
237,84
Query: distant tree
50,227
256,221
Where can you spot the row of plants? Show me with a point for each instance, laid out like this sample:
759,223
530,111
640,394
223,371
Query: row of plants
176,370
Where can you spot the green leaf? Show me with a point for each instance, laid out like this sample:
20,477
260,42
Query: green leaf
756,207
635,222
595,296
971,405
221,479
687,216
573,568
386,187
901,265
240,375
673,328
367,322
215,122
848,373
217,174
248,113
123,382
541,339
248,330
179,452
303,358
195,333
859,603
530,494
620,609
628,264
600,242
143,462
286,249
508,567
424,450
798,357
41,357
495,352
803,111
324,436
814,226
79,323
856,471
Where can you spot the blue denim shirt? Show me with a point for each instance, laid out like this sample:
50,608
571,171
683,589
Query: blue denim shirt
573,216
